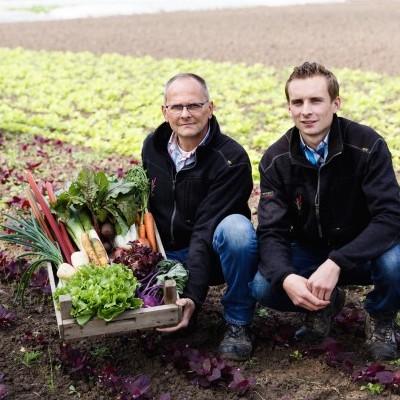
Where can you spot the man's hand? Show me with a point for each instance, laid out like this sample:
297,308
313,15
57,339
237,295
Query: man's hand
188,310
296,288
324,279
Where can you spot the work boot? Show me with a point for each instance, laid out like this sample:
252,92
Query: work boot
237,343
380,336
318,323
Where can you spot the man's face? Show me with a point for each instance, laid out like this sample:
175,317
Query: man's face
187,124
311,107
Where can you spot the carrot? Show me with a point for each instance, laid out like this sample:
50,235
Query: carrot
148,221
142,231
144,242
88,248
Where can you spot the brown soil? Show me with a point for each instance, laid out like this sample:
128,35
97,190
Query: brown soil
358,34
361,34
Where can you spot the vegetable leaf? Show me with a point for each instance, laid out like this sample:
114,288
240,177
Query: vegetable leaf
101,292
171,269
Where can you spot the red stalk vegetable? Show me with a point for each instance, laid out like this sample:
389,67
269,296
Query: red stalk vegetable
49,216
37,214
64,234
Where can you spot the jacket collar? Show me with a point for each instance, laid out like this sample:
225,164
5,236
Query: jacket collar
335,145
163,133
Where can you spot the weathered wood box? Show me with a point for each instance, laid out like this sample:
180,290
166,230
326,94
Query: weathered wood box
143,318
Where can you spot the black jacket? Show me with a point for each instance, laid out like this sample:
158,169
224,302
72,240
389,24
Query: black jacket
188,205
350,206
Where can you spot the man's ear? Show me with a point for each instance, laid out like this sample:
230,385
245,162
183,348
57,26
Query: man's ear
211,109
164,111
337,103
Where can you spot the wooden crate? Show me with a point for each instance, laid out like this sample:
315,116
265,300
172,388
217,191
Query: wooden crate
142,318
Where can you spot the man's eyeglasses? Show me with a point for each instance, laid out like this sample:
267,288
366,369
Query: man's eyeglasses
192,107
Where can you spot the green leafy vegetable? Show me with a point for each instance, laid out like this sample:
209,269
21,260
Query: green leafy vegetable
106,198
101,292
171,269
137,176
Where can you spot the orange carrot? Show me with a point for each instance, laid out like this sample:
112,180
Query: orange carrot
144,242
142,231
148,221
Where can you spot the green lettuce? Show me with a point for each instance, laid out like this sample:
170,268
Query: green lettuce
101,292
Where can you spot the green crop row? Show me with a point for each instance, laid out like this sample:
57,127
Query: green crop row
111,102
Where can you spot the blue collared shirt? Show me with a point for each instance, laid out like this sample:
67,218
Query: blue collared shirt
316,156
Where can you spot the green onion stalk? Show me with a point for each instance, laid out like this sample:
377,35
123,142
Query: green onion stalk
27,233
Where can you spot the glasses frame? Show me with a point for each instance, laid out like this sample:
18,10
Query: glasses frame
177,112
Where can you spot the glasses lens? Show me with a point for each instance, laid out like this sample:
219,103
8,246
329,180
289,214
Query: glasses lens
194,107
176,108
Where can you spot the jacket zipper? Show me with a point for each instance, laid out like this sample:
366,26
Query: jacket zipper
173,192
317,197
174,210
316,202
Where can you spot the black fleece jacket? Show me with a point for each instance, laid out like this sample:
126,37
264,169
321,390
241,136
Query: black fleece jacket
188,205
350,206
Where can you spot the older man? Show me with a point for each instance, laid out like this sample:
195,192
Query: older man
202,185
329,214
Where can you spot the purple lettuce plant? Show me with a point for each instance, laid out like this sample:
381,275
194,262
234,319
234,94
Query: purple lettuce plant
7,318
206,370
3,388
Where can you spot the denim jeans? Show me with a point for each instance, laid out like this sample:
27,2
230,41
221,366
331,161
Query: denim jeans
236,250
382,272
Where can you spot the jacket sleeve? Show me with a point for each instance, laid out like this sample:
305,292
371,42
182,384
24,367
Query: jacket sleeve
228,193
273,225
382,195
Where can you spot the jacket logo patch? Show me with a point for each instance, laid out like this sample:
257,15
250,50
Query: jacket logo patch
298,202
268,195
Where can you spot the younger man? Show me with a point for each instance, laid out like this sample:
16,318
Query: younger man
329,214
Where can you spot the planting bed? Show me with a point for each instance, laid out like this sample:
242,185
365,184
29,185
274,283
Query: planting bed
35,363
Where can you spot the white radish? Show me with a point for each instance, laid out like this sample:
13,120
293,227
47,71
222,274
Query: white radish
79,258
65,271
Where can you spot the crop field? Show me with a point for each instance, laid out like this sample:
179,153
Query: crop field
62,111
111,102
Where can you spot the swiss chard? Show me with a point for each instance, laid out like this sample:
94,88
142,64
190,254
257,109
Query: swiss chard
106,198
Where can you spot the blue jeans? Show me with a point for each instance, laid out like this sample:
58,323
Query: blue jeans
236,249
382,272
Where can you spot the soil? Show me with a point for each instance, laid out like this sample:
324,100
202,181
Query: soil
357,34
361,34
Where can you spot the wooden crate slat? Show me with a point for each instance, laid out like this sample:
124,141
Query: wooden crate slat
53,289
96,327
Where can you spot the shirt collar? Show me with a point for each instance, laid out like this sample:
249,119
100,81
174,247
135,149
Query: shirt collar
173,141
321,145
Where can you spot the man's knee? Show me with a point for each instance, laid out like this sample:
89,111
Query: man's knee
388,264
236,231
260,289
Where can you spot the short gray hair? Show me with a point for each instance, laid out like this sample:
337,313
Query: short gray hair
187,75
